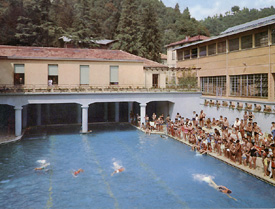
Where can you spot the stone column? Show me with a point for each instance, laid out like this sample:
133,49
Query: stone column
25,116
38,119
85,119
18,120
105,112
117,112
130,108
142,113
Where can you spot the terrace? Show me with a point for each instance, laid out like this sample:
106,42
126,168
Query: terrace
38,88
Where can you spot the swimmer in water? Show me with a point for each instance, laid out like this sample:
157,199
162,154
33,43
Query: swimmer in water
225,190
42,167
118,171
75,173
220,188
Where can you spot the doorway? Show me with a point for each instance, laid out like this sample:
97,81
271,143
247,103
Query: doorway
155,80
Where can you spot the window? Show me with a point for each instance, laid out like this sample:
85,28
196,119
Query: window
53,74
114,75
19,74
234,44
173,55
215,85
255,85
180,55
211,49
273,36
222,47
203,51
84,74
186,54
261,39
246,42
194,53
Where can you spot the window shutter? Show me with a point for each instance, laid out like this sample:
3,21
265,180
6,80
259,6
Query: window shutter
53,70
84,74
19,68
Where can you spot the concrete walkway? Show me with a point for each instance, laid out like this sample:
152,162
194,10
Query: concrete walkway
9,139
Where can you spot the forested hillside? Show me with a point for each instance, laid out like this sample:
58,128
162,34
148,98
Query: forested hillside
236,16
142,27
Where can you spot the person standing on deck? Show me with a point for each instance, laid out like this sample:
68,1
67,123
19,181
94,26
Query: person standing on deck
237,124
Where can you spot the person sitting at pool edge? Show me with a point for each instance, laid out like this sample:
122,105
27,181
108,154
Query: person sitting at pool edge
118,170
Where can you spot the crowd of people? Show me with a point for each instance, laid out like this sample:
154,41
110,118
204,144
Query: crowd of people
242,142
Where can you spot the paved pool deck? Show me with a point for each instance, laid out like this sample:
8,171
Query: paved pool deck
4,139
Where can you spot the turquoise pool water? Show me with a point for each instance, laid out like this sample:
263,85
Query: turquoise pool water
159,173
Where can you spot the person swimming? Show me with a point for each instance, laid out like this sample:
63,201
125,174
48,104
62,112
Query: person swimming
221,188
43,166
75,173
225,190
118,171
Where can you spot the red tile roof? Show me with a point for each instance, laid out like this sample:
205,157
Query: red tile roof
23,52
188,40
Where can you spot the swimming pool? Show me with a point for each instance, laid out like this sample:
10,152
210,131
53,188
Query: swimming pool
159,173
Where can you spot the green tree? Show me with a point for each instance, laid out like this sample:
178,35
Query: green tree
107,14
188,78
129,29
35,27
9,13
220,23
84,26
186,14
63,12
151,37
235,9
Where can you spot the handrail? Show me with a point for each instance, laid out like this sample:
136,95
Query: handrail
70,88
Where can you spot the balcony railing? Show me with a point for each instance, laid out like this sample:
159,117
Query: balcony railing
5,89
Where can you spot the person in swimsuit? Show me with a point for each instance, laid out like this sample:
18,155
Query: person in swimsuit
251,116
45,165
257,131
75,173
201,118
237,124
242,125
225,124
220,122
248,130
221,188
118,171
245,118
253,156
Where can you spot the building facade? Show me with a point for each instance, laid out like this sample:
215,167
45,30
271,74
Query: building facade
43,86
238,64
37,67
172,59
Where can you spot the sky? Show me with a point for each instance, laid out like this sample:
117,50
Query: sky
201,9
